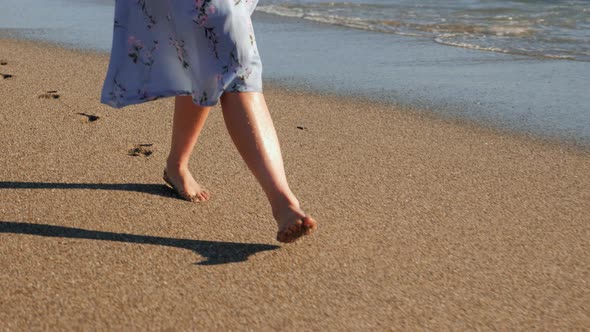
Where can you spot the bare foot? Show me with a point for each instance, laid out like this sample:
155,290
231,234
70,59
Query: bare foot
293,223
182,181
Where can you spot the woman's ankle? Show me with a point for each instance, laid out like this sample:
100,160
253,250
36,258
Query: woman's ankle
283,201
176,165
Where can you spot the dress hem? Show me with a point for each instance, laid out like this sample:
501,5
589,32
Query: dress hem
138,99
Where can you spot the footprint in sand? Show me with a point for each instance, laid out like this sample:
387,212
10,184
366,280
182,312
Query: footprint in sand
90,117
52,94
4,63
141,150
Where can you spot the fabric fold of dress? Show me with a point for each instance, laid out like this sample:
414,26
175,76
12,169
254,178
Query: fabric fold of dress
164,48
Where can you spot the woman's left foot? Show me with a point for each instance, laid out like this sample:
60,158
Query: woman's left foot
294,223
185,186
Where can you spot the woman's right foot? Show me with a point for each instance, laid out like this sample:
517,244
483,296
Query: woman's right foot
293,223
182,181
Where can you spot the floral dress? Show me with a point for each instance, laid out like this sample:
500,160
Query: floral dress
163,48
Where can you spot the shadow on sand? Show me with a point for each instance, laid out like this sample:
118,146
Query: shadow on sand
214,252
154,189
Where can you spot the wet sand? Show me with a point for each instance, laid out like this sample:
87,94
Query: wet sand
424,223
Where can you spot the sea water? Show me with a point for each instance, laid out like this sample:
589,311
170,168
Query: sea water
552,28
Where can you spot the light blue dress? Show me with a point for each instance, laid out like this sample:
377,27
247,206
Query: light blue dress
163,48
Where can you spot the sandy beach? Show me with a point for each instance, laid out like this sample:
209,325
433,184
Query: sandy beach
424,223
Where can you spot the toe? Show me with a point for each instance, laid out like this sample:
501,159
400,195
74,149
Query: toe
304,225
309,223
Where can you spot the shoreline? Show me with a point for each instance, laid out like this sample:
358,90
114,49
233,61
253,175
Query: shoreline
570,143
424,223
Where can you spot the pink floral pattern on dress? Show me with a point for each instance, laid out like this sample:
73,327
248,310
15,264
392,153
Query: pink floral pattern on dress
138,53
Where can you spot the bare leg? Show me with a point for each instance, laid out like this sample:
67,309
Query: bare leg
188,121
252,131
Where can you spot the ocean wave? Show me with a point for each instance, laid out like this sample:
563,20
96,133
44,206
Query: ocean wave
503,50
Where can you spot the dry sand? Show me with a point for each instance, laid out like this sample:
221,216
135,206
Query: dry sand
424,223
